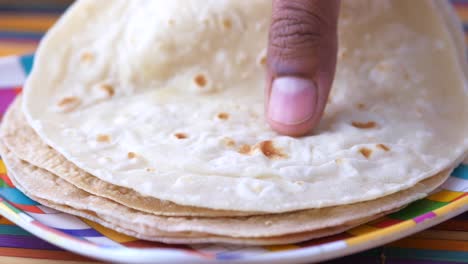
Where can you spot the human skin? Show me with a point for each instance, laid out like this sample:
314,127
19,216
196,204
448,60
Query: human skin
301,61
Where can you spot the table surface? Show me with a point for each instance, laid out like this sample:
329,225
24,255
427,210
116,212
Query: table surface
23,23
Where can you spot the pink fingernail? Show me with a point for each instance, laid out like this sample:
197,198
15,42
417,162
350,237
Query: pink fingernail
292,100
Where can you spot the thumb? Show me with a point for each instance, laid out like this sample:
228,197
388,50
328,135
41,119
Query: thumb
301,63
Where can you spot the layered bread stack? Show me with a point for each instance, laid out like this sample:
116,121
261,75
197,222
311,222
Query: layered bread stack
147,117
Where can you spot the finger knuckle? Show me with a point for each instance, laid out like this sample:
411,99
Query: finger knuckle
295,27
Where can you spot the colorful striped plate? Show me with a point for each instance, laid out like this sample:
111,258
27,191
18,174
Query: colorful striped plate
90,239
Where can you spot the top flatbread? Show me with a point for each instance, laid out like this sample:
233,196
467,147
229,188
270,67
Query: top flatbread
21,139
166,98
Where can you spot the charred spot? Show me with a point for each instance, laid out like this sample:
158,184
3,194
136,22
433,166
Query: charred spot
103,138
227,23
200,80
383,147
361,106
229,142
245,149
269,150
365,152
181,135
364,125
69,102
109,89
223,116
131,155
86,56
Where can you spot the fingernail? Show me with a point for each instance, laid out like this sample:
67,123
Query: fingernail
292,100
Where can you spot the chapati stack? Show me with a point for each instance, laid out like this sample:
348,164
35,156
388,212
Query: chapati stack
147,117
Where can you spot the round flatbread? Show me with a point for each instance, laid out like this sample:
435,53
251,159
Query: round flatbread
39,183
23,141
166,98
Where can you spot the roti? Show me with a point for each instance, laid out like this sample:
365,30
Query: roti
23,141
41,184
194,238
173,110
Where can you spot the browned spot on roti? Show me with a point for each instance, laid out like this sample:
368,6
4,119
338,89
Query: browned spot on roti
223,116
103,138
86,56
69,103
366,125
150,169
227,23
361,106
171,22
269,150
244,149
200,80
181,135
68,100
383,147
229,142
131,155
365,152
339,161
107,88
263,60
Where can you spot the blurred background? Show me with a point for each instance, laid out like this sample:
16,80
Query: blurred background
31,3
23,22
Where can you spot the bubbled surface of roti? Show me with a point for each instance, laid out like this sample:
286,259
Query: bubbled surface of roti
166,98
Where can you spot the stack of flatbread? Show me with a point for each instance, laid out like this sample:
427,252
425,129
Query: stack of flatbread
147,117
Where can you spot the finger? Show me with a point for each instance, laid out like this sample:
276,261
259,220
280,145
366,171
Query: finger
301,63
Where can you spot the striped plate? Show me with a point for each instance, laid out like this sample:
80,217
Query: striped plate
90,239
